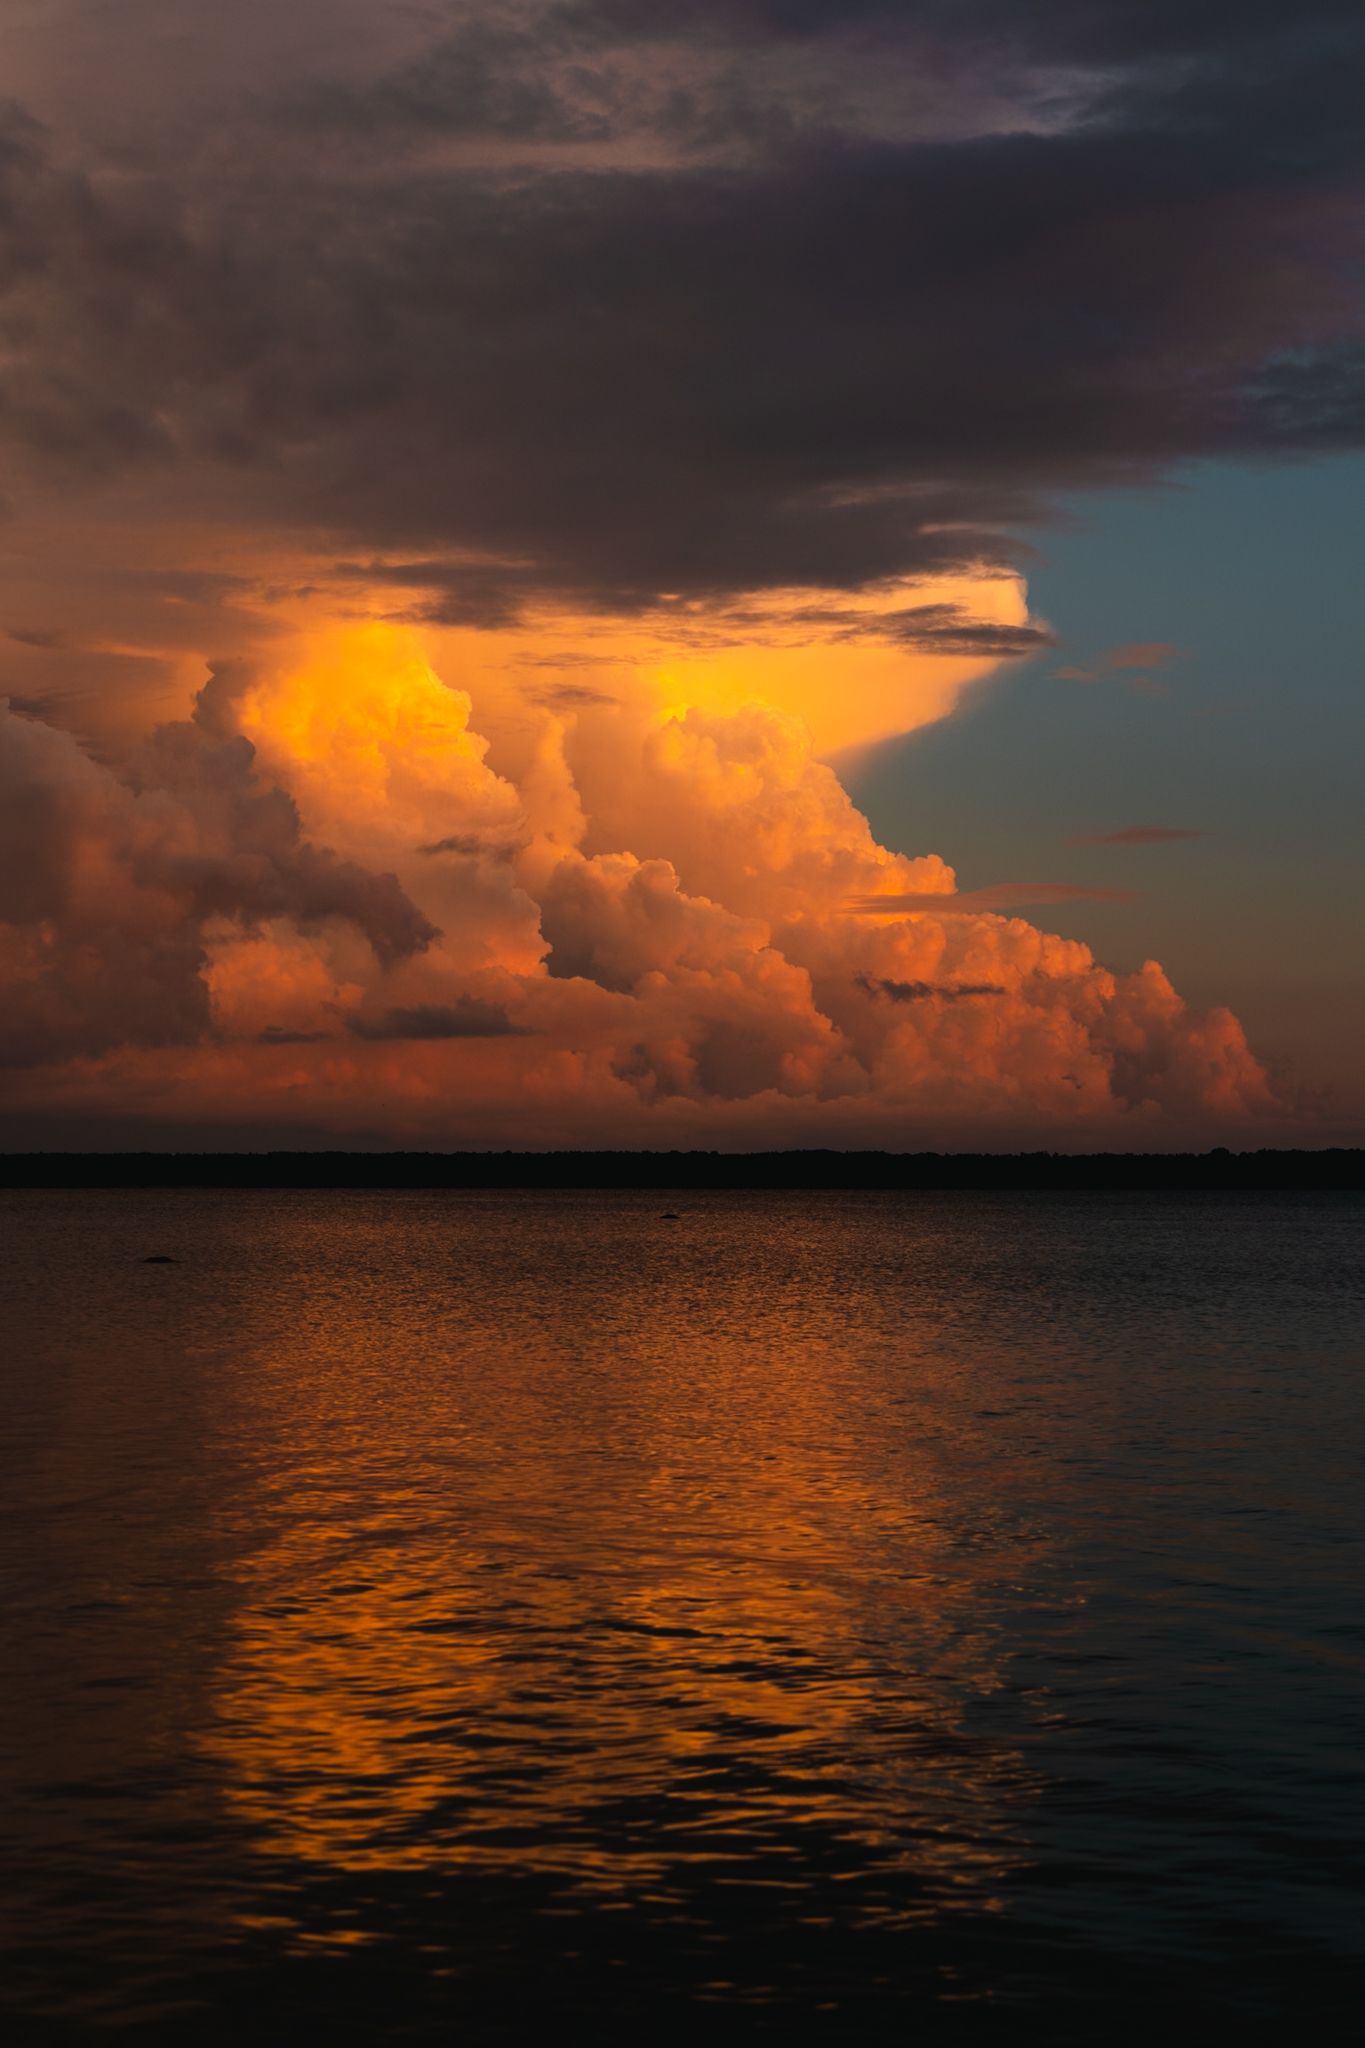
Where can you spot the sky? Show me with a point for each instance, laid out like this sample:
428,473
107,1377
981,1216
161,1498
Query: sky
776,573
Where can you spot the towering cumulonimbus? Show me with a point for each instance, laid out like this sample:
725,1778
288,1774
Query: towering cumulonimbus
319,900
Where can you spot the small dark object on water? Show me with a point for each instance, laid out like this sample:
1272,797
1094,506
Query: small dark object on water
160,1259
669,1216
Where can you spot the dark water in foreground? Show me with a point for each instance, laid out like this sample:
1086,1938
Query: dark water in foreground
442,1616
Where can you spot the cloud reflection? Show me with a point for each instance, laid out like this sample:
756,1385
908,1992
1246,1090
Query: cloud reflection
610,1582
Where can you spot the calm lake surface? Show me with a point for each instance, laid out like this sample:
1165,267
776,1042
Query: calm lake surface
438,1616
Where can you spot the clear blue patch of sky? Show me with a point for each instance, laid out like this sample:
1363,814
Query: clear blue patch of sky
1253,735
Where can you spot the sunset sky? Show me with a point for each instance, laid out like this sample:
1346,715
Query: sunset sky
735,574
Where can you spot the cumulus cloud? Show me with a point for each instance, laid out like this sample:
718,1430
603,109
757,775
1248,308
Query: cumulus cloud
678,945
110,885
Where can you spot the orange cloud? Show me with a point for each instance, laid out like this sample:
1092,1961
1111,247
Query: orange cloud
651,922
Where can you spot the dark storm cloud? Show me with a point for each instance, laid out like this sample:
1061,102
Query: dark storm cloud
849,299
1076,29
486,594
482,78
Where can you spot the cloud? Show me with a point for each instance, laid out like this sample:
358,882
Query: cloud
1138,835
1121,662
943,629
1140,654
471,845
774,327
466,1017
923,991
868,287
45,639
574,696
680,942
931,628
109,886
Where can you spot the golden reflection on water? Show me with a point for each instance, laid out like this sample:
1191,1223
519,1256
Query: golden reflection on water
622,1567
449,1615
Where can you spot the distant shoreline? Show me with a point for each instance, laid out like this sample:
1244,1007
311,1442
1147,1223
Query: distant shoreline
1330,1170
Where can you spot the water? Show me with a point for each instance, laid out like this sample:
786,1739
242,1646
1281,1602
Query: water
438,1616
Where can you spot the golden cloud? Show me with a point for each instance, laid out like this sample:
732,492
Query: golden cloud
327,899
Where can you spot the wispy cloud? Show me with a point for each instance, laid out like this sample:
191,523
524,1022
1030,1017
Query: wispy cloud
472,845
574,697
1131,665
922,991
1137,835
